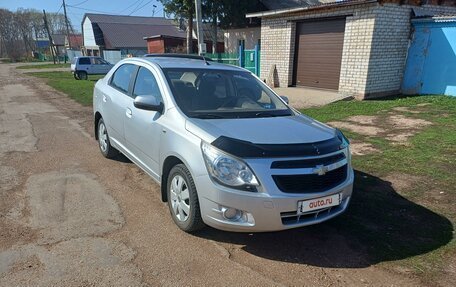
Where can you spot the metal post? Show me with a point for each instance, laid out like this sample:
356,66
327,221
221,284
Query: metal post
67,27
51,43
257,58
199,28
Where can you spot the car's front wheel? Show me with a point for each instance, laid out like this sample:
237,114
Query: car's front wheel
103,141
183,199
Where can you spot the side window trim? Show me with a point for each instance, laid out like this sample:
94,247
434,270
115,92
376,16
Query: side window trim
130,85
152,72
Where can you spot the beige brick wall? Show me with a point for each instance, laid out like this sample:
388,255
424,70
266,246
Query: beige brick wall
375,46
278,36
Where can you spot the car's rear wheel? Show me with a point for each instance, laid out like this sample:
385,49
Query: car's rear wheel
183,199
82,75
103,141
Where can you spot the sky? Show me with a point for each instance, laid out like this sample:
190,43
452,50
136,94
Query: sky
77,8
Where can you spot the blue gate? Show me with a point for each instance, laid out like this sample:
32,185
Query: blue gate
431,61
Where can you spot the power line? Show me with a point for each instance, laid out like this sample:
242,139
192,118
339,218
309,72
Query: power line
139,4
91,10
61,5
79,3
131,5
140,7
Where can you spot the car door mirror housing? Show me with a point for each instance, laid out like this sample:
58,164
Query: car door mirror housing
285,99
148,103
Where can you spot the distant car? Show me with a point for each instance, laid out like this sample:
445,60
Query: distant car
81,67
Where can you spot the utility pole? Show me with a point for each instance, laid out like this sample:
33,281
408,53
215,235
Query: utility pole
51,43
67,29
199,28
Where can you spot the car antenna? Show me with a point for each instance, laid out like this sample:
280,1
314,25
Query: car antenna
205,61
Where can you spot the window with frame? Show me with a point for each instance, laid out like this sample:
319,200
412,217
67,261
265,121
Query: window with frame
84,61
122,77
99,61
146,85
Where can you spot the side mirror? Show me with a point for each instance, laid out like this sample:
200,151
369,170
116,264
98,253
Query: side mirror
285,99
148,103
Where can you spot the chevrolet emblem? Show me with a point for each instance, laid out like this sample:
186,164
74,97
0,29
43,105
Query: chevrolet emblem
320,169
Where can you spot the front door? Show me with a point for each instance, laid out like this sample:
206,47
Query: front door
142,128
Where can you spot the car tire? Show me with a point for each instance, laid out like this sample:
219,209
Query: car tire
75,75
103,141
183,199
82,75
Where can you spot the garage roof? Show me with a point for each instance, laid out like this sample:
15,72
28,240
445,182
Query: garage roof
291,6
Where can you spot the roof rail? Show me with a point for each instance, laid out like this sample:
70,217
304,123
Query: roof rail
184,56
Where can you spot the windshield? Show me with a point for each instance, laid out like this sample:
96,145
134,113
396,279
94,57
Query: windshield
205,93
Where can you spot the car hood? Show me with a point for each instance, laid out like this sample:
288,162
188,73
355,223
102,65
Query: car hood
273,130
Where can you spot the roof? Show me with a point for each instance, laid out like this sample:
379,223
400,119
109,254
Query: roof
169,62
76,40
58,39
42,43
129,31
292,6
207,32
421,12
284,4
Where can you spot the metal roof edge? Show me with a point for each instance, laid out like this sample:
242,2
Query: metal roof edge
307,8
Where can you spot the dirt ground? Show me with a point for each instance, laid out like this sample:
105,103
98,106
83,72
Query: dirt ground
69,217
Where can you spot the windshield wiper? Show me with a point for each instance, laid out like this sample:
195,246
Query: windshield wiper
207,116
265,114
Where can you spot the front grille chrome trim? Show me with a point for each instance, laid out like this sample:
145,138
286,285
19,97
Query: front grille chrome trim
312,170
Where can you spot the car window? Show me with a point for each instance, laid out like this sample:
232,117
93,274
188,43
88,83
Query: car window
98,61
146,85
122,77
84,61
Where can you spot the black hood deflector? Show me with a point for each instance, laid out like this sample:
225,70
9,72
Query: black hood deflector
245,149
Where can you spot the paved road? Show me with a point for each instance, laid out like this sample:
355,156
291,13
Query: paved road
70,217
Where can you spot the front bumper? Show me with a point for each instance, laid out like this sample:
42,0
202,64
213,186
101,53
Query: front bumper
269,212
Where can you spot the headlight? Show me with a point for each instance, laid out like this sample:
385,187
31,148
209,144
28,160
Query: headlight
345,145
227,170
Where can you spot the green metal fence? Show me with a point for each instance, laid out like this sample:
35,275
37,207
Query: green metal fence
249,59
225,58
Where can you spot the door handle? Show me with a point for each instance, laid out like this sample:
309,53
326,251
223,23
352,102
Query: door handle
128,113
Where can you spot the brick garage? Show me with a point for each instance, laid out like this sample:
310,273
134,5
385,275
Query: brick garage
375,41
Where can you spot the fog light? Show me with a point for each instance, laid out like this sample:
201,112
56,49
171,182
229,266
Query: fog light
232,213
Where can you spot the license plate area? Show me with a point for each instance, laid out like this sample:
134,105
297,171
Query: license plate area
306,206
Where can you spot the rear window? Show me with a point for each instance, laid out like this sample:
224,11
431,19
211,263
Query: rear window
84,61
122,77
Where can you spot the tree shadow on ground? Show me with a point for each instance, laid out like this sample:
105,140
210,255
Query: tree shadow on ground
380,225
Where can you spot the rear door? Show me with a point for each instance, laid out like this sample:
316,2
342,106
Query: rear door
143,129
84,64
116,99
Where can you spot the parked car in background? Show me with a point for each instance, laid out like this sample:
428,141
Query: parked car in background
81,67
227,151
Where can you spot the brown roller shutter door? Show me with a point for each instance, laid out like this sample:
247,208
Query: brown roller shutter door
319,53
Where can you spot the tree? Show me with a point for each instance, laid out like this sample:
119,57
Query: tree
233,13
182,9
212,11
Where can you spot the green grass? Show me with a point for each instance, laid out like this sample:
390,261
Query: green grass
411,228
80,91
44,66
